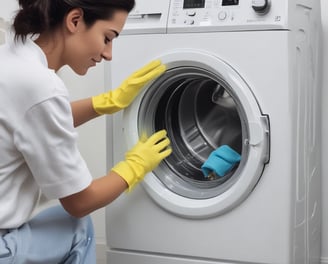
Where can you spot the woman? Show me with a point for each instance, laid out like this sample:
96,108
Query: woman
38,141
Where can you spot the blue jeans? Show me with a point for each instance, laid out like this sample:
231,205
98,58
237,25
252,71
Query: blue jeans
51,237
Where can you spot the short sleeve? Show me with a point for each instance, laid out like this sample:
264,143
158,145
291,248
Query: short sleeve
48,141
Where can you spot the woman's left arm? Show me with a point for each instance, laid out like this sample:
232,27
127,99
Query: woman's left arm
117,99
83,111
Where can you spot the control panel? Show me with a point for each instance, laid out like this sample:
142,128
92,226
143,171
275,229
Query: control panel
214,15
171,16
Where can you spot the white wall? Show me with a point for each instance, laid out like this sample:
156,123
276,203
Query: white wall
7,9
92,136
92,139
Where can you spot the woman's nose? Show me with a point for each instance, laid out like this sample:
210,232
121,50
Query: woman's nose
107,53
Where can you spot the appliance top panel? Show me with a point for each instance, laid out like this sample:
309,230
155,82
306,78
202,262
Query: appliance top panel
171,16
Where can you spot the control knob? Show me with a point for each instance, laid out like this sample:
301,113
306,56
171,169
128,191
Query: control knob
261,6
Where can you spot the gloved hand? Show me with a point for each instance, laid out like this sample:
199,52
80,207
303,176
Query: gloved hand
115,100
143,158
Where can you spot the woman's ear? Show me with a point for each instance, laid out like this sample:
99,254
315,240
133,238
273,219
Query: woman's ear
74,20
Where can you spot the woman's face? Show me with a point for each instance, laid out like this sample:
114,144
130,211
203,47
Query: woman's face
88,46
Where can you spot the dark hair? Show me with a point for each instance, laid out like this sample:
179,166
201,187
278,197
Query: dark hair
38,16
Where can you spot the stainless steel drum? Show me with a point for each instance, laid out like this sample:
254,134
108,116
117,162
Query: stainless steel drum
200,113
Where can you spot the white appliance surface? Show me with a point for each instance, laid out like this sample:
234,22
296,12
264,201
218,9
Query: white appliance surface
263,58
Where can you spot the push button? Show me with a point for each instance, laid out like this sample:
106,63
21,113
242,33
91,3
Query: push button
189,21
191,13
222,15
261,6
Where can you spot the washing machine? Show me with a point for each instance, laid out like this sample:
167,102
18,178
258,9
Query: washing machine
240,73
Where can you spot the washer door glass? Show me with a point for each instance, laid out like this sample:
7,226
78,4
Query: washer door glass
200,114
203,103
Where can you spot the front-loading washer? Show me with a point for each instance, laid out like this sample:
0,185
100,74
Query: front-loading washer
239,73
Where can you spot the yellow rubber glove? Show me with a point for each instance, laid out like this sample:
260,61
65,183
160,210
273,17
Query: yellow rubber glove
143,158
115,100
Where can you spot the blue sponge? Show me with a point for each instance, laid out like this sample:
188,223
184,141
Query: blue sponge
220,161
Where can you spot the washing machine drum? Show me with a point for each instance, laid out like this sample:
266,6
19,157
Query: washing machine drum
203,103
199,115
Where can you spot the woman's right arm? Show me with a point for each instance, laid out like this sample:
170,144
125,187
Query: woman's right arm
145,156
99,193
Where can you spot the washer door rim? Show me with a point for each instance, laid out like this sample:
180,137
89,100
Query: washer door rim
258,156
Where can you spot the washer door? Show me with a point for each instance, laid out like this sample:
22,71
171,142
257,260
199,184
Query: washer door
203,103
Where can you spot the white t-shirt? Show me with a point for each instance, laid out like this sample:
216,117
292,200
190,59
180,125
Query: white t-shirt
38,148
